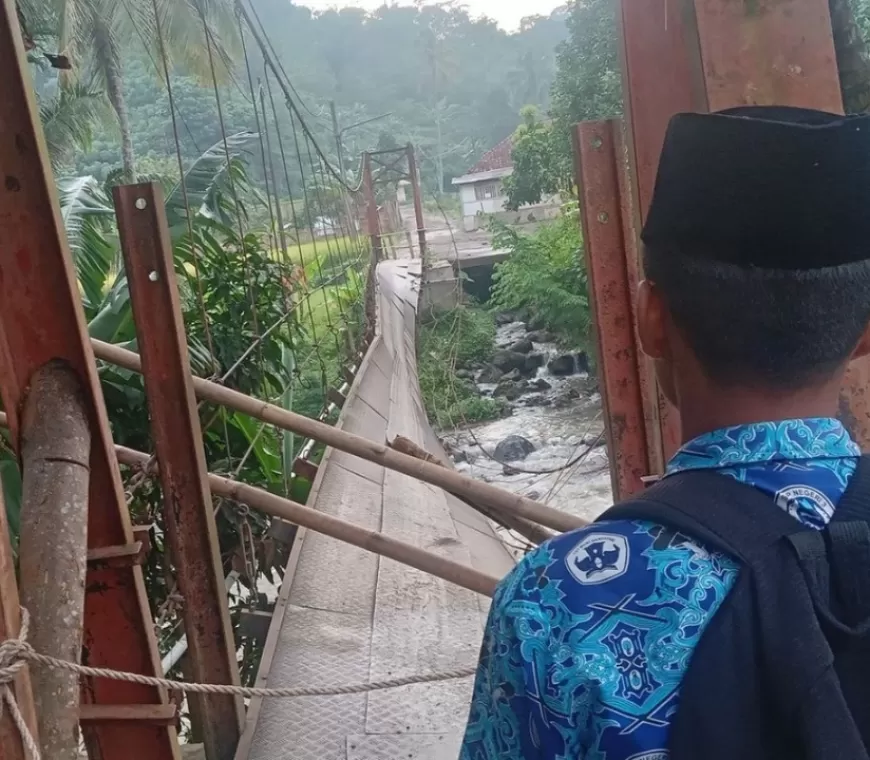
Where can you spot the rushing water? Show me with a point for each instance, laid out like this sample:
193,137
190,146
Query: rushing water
567,432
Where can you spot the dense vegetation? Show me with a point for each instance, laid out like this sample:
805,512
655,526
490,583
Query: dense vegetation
587,85
450,84
450,343
545,276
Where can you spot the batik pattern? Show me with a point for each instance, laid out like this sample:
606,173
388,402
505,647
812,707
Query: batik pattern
590,636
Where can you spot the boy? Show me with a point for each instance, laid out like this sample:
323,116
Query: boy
757,258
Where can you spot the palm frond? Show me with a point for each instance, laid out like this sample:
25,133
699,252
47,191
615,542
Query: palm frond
207,180
68,120
87,215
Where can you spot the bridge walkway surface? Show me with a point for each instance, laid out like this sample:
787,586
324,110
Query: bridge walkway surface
346,616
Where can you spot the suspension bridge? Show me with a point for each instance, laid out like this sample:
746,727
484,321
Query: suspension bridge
387,568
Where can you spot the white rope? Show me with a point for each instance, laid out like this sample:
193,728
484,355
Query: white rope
16,653
11,664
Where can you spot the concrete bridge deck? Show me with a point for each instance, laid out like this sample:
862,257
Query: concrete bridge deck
346,616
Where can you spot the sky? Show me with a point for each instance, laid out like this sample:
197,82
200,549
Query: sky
508,13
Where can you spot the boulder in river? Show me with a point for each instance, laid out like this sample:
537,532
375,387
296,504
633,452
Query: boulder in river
583,362
509,390
465,374
540,384
534,362
523,346
541,336
537,323
508,360
504,318
562,366
514,448
490,374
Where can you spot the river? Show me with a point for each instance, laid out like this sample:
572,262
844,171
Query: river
568,468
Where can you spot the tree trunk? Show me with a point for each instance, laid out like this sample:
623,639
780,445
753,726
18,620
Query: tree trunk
110,63
852,58
55,454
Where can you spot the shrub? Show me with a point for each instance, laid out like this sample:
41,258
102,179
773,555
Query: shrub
545,275
449,341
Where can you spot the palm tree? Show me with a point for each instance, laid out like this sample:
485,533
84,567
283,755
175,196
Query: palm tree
93,35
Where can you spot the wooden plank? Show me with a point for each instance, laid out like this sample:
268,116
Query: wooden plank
41,319
178,443
610,296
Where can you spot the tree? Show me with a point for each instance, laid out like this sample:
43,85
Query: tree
586,86
95,35
542,165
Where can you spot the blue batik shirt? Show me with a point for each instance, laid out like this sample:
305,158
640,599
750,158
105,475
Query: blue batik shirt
590,636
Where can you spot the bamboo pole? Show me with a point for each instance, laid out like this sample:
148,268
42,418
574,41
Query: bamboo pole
378,543
370,540
526,528
451,481
55,456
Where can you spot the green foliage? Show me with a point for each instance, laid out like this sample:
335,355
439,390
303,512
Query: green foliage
545,276
541,166
449,341
587,86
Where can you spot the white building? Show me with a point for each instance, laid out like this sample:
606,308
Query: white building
481,192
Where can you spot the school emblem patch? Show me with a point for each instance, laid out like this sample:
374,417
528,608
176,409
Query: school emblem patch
598,558
800,501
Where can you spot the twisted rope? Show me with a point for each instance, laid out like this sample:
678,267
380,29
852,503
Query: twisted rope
11,663
16,653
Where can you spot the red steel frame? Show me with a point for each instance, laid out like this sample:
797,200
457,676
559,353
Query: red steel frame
699,55
611,296
41,318
187,503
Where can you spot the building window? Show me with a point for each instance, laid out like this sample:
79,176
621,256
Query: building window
485,191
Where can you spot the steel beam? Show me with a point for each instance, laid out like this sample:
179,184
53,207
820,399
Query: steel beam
661,76
10,627
611,297
41,318
768,52
417,190
187,502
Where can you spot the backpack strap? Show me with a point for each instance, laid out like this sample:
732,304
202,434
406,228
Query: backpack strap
835,561
719,511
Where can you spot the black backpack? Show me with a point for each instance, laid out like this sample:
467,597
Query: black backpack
783,669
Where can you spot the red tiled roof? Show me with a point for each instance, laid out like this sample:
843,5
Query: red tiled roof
497,158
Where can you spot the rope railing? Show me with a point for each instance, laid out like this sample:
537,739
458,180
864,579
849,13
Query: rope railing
17,653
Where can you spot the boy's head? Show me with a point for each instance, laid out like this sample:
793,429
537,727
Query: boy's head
757,253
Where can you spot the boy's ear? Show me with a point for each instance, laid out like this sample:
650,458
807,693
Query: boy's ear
651,320
863,347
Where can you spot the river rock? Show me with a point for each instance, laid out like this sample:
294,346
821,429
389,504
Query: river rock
539,384
562,366
534,362
508,360
536,399
523,346
583,362
514,375
537,323
509,471
504,318
594,441
514,448
464,374
508,390
459,457
490,374
541,336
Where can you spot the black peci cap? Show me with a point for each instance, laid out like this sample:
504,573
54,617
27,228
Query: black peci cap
763,186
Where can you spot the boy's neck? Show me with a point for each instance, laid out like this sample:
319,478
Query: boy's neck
706,412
